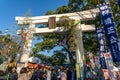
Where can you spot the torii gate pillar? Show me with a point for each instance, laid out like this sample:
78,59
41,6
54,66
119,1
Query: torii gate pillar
27,47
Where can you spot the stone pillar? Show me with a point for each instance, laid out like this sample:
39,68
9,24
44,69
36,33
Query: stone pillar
28,43
80,54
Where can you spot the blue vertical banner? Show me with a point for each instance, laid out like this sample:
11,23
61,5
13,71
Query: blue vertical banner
102,50
119,3
109,27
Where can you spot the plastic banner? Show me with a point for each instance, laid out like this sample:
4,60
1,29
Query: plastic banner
101,40
119,3
109,27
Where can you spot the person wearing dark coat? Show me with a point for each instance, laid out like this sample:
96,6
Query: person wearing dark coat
53,75
2,75
13,75
36,74
69,77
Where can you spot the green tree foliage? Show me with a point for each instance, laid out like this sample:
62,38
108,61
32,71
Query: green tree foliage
62,9
52,40
59,10
76,5
50,12
0,32
79,5
58,58
90,42
70,36
8,47
89,38
66,22
49,41
2,58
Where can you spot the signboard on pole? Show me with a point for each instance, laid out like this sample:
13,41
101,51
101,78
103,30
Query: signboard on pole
97,61
109,64
109,27
106,74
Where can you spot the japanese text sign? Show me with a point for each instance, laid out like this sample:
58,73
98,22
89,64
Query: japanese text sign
101,40
109,27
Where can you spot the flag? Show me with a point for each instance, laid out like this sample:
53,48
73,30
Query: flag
119,3
109,28
102,50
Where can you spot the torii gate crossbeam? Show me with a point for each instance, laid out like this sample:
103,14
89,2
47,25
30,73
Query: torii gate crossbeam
82,15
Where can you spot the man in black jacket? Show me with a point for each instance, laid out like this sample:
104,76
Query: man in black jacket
13,75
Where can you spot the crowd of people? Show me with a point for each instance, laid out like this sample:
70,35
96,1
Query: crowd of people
49,73
41,73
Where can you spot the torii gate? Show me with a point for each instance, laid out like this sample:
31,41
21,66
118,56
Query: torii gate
82,16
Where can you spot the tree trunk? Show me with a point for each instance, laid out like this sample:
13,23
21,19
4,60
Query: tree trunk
72,61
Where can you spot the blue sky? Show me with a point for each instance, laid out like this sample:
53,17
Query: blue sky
11,8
